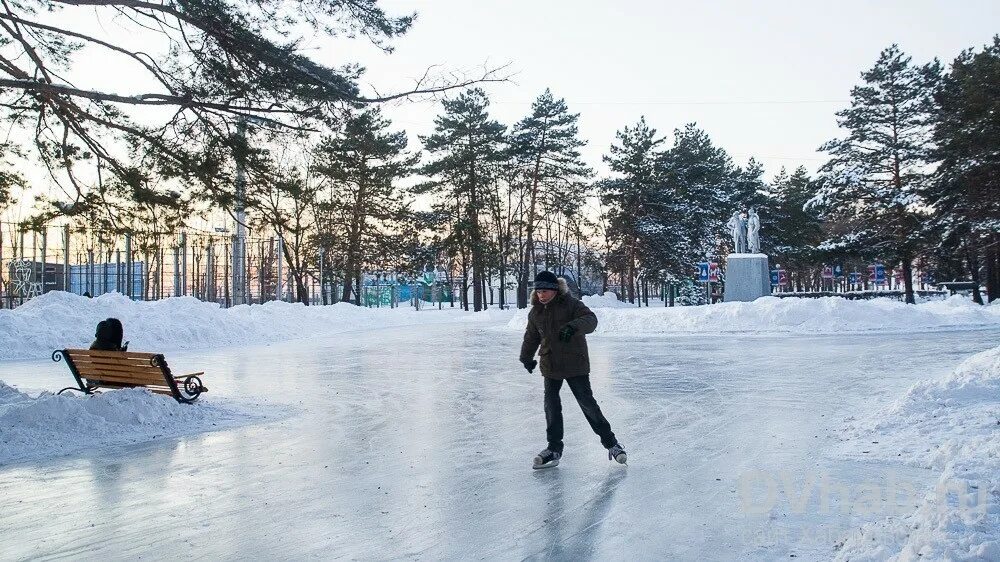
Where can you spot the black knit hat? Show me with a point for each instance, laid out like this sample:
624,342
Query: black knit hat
546,280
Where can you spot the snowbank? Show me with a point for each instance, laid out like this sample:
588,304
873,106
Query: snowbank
773,314
951,425
607,300
50,425
58,320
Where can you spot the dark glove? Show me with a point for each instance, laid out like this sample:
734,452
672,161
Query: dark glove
530,365
566,333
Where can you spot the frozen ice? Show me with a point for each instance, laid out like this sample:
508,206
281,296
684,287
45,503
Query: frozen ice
411,436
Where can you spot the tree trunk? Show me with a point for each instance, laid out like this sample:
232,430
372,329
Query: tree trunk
358,286
973,261
908,279
631,273
529,240
992,269
348,282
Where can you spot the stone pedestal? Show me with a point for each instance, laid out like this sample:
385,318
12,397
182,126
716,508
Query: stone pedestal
747,277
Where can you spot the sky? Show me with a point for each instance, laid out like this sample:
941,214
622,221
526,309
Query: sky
764,79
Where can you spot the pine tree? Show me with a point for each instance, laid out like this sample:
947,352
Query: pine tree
965,191
630,197
362,164
873,178
10,179
467,145
749,190
791,229
702,193
545,146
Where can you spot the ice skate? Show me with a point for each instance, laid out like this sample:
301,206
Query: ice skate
617,453
546,459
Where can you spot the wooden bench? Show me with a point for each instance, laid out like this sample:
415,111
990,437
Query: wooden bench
126,369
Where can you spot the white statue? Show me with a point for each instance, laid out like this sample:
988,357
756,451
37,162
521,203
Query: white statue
738,228
753,232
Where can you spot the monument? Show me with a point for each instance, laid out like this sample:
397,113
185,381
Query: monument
753,232
748,276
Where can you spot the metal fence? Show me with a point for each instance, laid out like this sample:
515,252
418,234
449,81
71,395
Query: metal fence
147,266
210,266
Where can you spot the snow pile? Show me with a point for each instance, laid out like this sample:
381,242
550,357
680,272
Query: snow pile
795,315
60,320
607,300
952,425
52,425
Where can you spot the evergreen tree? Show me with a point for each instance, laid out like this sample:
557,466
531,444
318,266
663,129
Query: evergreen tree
872,179
791,229
965,191
702,192
749,190
10,180
631,196
546,148
362,164
467,146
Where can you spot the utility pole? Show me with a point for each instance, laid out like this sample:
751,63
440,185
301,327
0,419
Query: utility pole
239,239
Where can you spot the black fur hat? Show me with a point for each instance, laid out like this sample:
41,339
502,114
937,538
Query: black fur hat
546,280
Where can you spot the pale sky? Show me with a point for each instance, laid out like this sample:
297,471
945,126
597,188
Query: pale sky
762,78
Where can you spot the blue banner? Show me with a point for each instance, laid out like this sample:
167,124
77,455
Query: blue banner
879,274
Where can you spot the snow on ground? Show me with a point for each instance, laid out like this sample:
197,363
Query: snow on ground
951,425
59,320
788,315
51,425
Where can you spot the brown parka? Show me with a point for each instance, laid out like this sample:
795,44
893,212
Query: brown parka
558,359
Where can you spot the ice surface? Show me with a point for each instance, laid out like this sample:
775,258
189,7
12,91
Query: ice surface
416,442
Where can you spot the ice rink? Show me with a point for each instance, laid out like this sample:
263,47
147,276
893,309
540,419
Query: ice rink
416,442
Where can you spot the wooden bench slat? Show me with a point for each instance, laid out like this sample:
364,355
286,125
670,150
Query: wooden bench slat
125,362
112,354
119,368
123,378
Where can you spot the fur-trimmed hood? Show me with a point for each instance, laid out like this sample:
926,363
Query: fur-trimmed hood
563,291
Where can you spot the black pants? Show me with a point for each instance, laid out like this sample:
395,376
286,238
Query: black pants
585,397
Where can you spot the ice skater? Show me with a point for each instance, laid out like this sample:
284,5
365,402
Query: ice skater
557,328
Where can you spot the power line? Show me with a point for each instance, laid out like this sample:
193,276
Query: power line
665,102
691,102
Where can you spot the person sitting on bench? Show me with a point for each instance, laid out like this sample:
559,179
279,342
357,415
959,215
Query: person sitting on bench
109,336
